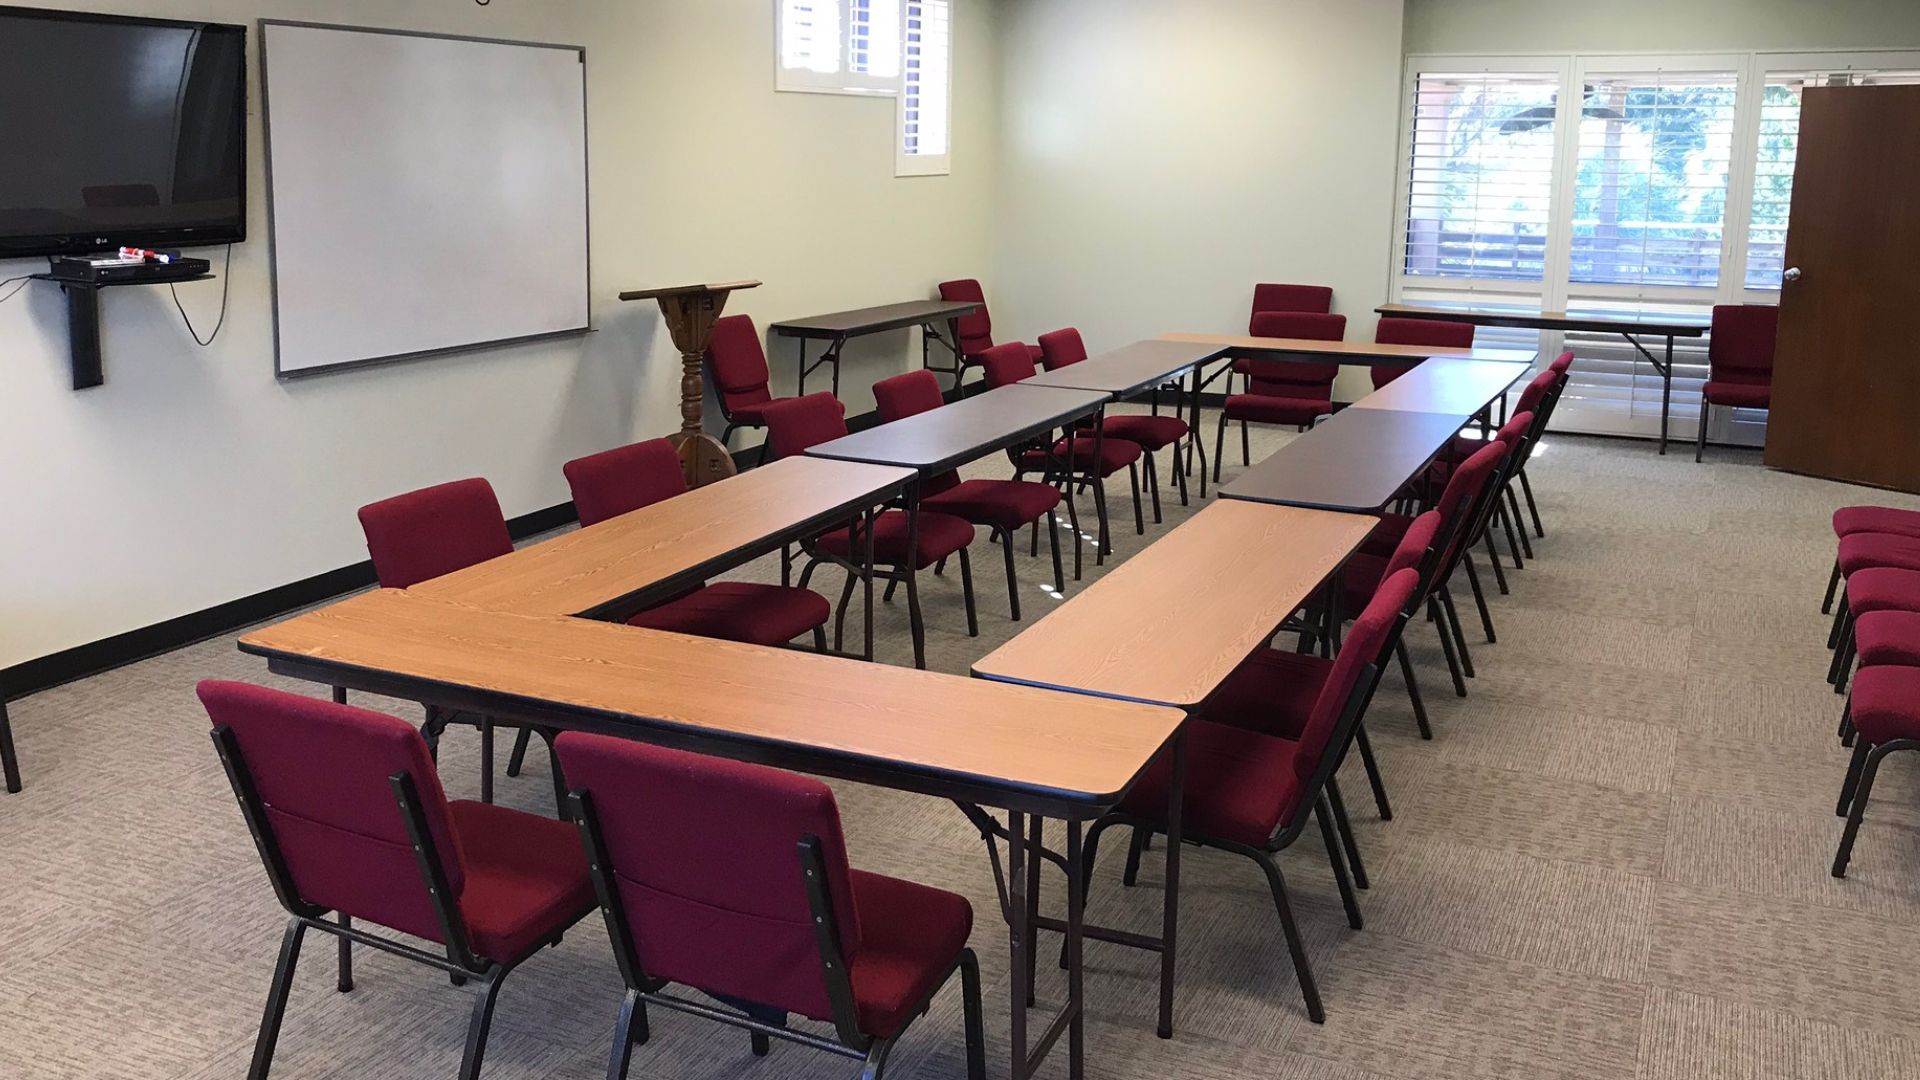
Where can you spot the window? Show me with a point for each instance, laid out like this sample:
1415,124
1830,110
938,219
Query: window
838,46
1480,176
926,100
1773,169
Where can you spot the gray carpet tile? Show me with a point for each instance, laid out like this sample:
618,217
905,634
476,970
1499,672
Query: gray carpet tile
1610,862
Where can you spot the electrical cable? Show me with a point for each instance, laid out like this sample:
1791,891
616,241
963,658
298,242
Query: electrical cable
22,279
226,289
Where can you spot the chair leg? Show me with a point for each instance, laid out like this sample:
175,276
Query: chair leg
1839,619
9,760
1343,825
1302,969
1859,809
1331,840
966,592
1104,545
1479,597
840,609
1413,689
629,1031
1446,644
1219,446
1246,446
519,756
1519,526
1700,444
971,1010
1179,474
1374,778
1013,581
1841,644
276,1010
1136,847
1506,526
1139,511
1533,508
1833,586
1153,486
1848,652
344,981
1053,541
914,622
481,1023
820,638
559,775
1851,784
486,759
1493,556
759,1043
1459,636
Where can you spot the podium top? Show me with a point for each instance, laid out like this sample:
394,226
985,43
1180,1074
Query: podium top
689,290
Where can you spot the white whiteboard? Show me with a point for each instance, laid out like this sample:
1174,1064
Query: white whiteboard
424,193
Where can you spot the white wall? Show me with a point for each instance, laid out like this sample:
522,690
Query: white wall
194,477
1158,159
1482,26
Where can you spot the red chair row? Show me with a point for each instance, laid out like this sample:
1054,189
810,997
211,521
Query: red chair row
1877,627
349,818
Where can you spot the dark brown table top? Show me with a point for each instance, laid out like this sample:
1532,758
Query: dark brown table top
1664,324
874,320
1446,384
1130,369
965,430
1357,461
1341,352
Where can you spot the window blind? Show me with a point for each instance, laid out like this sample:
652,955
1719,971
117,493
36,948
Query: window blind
1650,191
810,36
1480,176
926,104
839,46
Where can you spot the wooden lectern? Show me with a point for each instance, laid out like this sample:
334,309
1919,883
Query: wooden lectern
690,311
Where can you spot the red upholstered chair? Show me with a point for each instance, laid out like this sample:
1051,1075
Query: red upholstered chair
782,924
427,534
736,364
1884,712
629,478
1870,590
1003,506
1859,554
1281,391
1063,348
1009,363
1739,362
349,817
903,542
1429,332
1270,298
973,333
1849,520
1252,794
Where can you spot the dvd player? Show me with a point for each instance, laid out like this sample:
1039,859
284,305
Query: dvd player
113,270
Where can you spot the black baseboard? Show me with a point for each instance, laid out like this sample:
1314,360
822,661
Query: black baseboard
119,650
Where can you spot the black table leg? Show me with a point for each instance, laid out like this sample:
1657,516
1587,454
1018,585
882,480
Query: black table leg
803,367
1016,913
872,520
1170,914
1666,395
9,761
910,564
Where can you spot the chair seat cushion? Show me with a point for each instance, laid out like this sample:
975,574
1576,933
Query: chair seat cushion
1240,785
1271,692
1739,395
740,611
1888,637
1115,454
1883,590
910,936
1876,519
1275,409
1006,504
1864,551
526,879
1150,432
939,536
1886,703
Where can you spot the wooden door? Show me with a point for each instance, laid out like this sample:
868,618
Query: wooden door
1846,390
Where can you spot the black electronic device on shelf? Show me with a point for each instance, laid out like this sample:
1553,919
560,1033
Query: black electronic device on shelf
113,270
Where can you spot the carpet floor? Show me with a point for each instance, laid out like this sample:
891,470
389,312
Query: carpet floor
1610,862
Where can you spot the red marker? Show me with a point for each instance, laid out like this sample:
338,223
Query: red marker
143,253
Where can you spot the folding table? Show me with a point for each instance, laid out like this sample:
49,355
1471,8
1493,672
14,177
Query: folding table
836,328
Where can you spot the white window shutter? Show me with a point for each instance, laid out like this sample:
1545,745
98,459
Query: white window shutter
924,145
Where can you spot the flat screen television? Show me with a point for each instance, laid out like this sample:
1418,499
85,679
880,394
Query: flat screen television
120,131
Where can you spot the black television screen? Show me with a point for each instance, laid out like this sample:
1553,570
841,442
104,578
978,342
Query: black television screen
120,131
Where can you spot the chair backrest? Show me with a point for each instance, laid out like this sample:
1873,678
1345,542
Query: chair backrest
796,424
901,396
737,363
1365,646
1562,363
624,479
1535,395
974,332
1430,332
434,531
1008,363
1462,501
320,773
703,853
1308,325
1277,297
1740,347
1062,347
1417,546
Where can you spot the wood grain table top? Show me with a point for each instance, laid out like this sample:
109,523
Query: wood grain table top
1355,462
874,320
1446,384
1167,625
964,430
1348,352
1129,369
923,730
1664,324
661,549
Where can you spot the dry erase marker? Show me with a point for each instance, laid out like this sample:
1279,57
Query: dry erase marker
143,253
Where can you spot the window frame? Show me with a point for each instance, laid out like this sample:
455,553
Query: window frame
905,164
842,81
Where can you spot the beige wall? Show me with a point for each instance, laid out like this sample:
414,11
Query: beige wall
195,477
1482,26
1158,159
